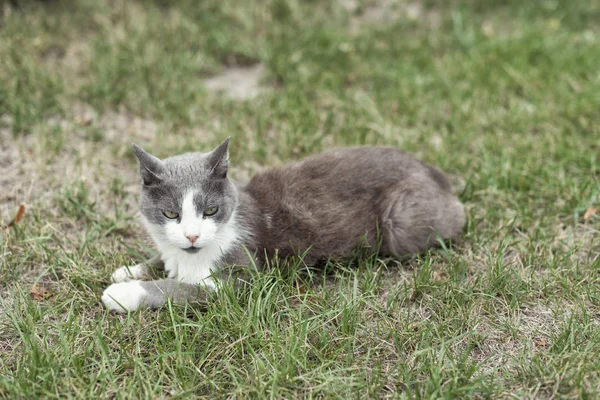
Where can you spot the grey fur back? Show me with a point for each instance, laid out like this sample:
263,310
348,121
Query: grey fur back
336,201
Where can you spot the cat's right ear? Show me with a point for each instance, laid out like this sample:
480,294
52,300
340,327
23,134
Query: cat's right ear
219,158
150,166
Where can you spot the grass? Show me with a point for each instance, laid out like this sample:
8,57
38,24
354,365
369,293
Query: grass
504,95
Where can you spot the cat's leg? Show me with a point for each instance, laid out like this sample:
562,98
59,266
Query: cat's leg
139,271
134,295
413,220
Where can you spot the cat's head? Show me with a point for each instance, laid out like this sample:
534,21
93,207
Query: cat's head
186,200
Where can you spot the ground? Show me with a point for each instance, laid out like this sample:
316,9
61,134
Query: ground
504,96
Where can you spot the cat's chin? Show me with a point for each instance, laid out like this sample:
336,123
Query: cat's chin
192,250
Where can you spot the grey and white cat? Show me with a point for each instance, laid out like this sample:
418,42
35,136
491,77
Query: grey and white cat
330,204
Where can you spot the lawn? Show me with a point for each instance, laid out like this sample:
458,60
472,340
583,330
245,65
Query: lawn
503,95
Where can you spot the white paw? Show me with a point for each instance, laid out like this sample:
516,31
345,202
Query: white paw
124,296
209,283
125,273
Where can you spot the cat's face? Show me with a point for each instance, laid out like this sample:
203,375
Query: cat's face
186,200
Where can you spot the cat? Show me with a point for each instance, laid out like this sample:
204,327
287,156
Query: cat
324,206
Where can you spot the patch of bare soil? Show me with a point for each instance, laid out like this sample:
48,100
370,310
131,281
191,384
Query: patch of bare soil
584,239
238,83
375,12
33,173
18,177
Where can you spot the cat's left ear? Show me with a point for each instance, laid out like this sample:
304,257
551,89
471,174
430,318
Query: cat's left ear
219,160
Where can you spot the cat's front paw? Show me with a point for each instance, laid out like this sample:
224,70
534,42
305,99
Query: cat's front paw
124,296
125,274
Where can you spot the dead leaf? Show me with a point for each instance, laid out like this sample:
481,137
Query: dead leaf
488,29
414,326
84,120
39,293
18,217
590,212
440,276
20,213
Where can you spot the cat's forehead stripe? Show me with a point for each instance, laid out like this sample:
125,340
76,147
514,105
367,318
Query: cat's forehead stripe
188,208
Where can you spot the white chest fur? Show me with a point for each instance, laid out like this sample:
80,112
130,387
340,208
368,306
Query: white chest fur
192,268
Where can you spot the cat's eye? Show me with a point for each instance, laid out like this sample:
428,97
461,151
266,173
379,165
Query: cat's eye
170,214
211,211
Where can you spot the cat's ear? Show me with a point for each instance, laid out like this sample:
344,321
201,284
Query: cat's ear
150,167
219,160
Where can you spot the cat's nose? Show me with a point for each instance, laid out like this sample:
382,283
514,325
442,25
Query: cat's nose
192,238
